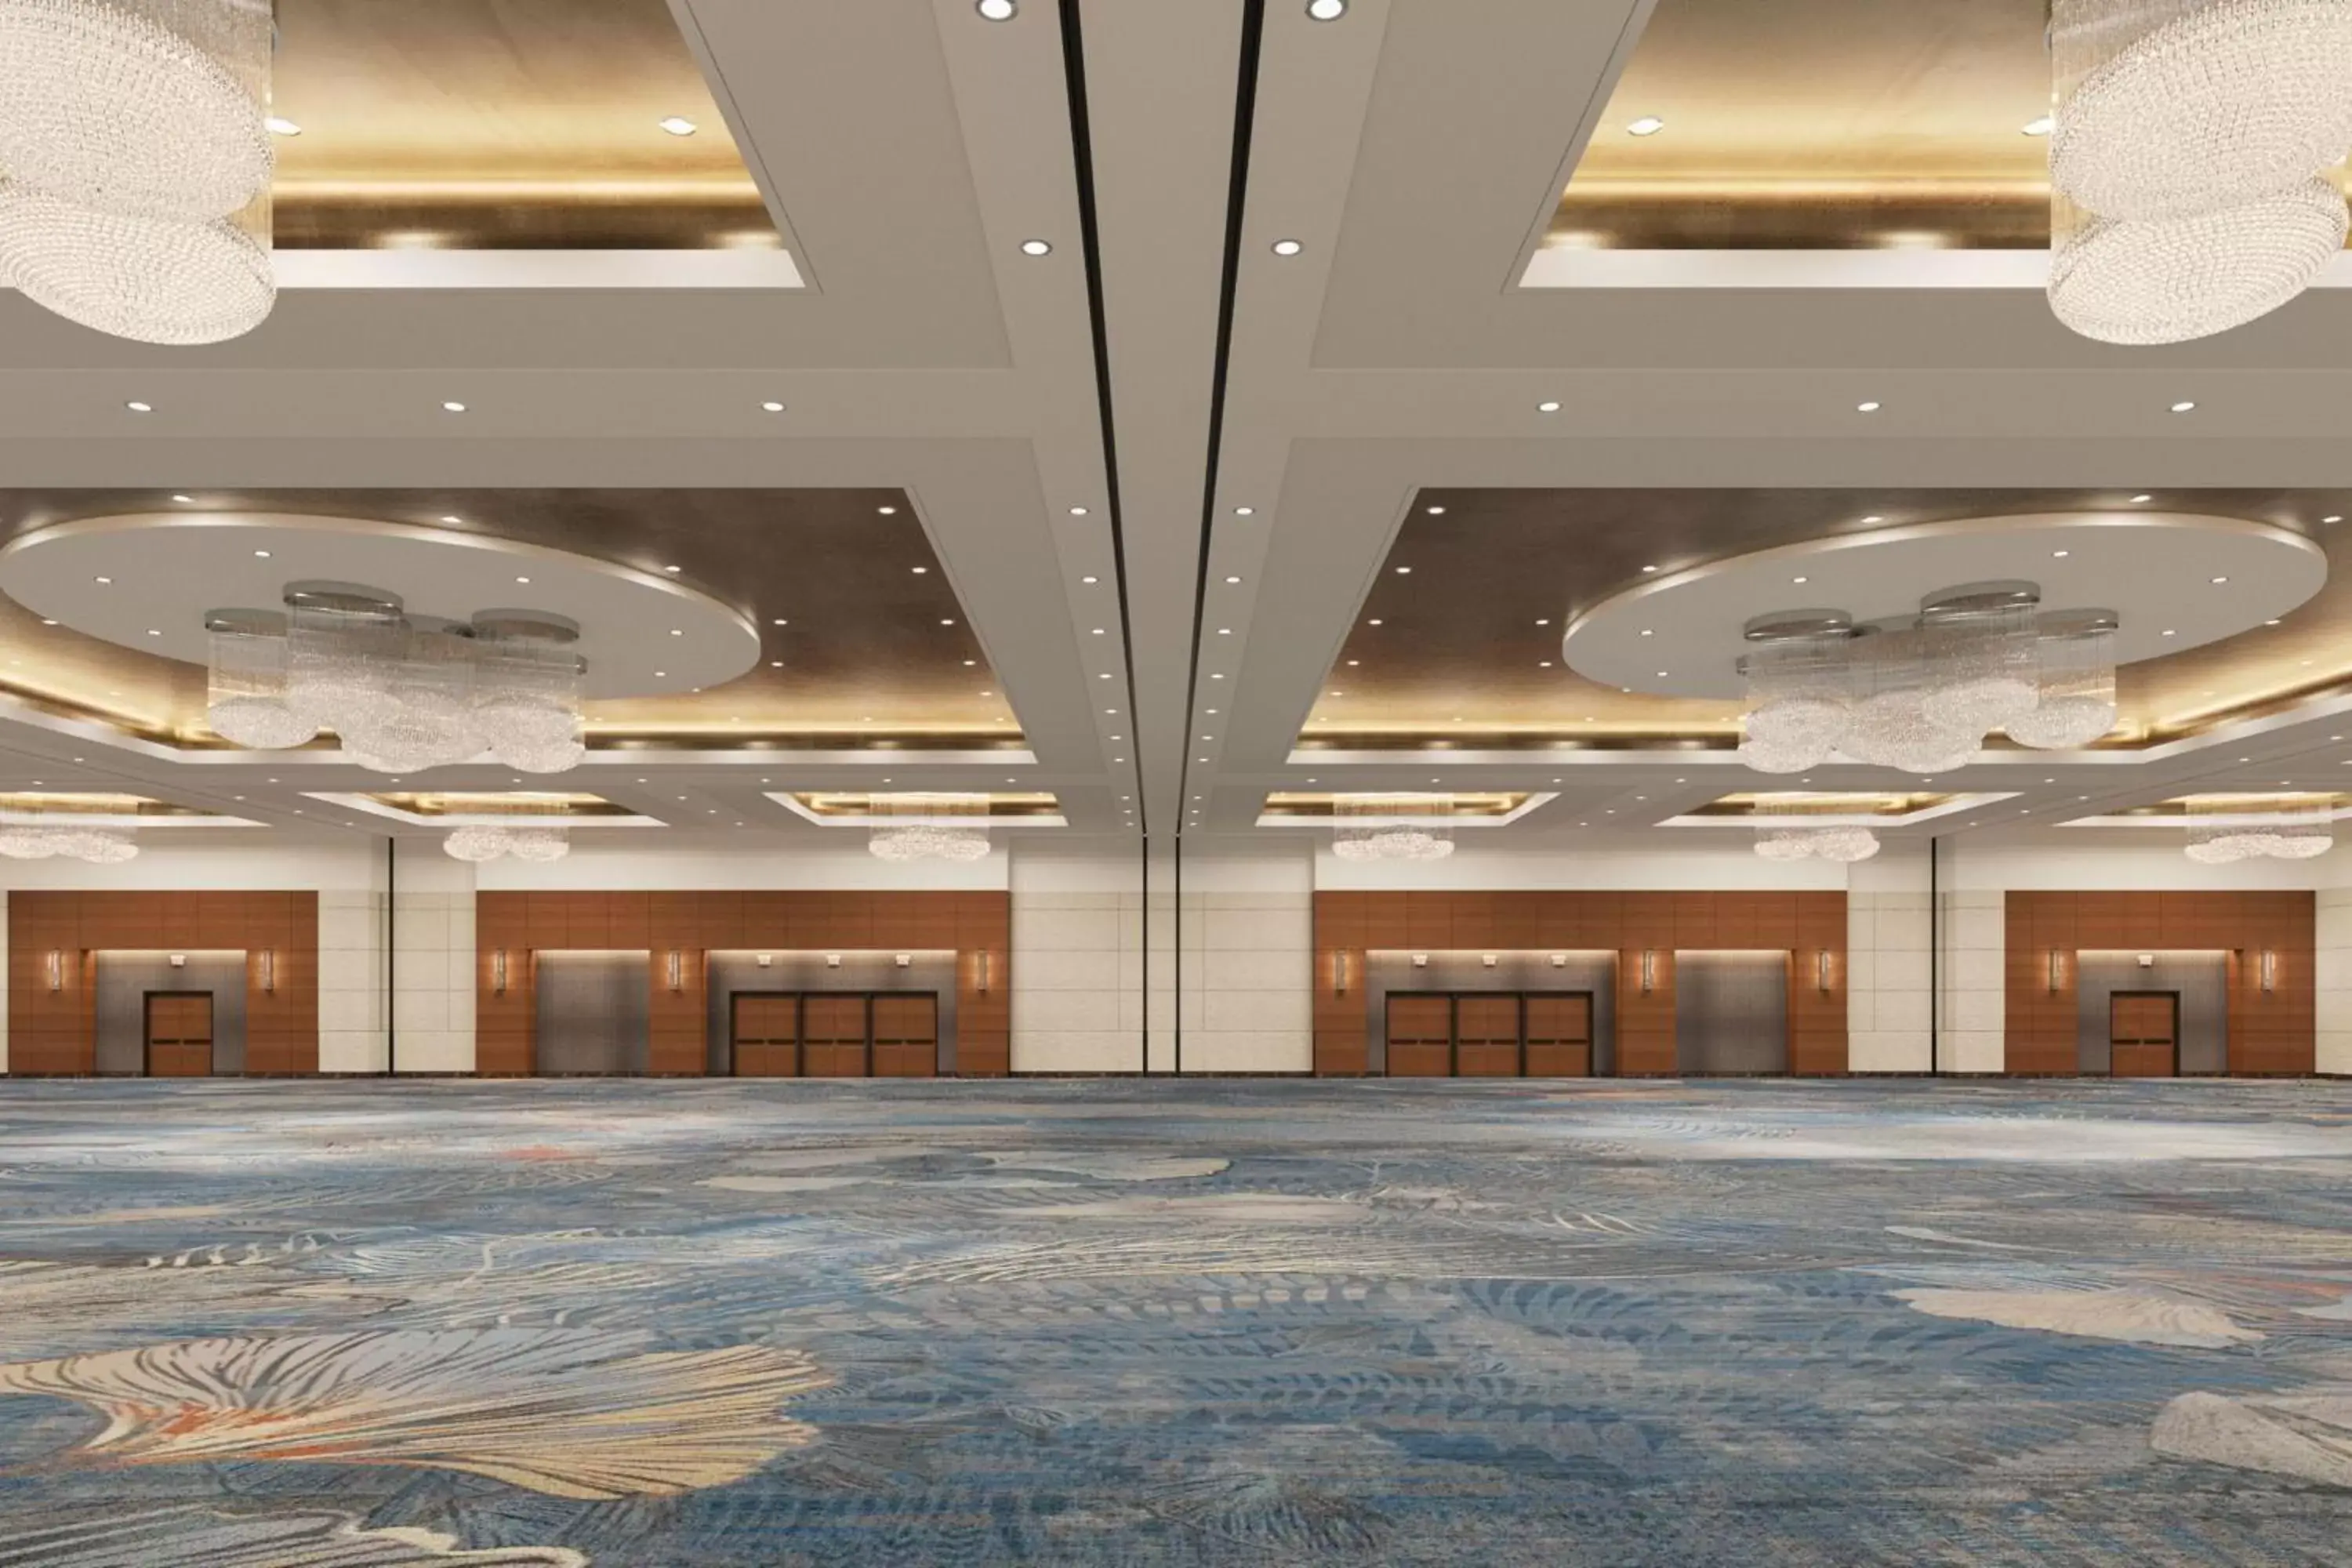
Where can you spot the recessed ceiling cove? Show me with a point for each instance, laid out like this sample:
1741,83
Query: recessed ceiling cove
2176,581
147,580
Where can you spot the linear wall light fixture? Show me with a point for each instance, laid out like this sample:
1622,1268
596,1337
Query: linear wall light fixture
499,972
1339,974
2055,971
676,970
1822,971
983,973
2269,970
57,970
269,971
1649,970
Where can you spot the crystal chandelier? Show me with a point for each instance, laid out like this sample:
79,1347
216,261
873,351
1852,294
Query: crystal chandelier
1401,827
1922,693
1843,842
402,693
2189,147
929,827
34,840
2247,827
135,137
480,842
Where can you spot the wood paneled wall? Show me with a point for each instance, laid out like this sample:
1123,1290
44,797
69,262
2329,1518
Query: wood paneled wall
1348,924
2271,1032
55,1031
977,925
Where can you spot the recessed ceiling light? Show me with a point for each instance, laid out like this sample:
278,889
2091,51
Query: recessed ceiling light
2333,517
2040,127
1036,248
1867,407
1090,581
775,664
970,663
1375,622
887,510
947,620
1287,247
1649,569
140,407
1648,632
1874,517
2060,554
154,633
522,580
1079,511
186,500
262,555
679,125
2142,500
1105,676
1662,675
2270,623
1224,631
278,125
2168,631
772,406
1547,406
46,621
108,581
920,571
1648,125
2183,408
1545,621
2217,581
1437,511
1217,677
1404,570
1326,10
1245,511
1231,581
1800,580
454,407
779,623
998,10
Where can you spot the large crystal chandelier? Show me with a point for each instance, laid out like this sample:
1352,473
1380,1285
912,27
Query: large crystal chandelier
929,827
1921,693
1843,842
402,693
2188,150
135,139
29,838
1400,828
2247,828
484,841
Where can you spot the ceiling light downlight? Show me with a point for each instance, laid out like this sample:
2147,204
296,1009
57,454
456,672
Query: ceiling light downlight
2186,160
136,138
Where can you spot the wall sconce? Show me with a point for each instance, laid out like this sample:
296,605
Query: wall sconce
2055,971
767,958
832,961
2269,970
905,961
57,970
1339,974
269,971
983,974
179,960
1822,971
499,972
676,970
2147,960
1421,961
1649,970
1491,960
1560,961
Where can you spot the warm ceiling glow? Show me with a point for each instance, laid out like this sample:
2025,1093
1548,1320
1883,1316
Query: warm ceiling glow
1648,125
679,125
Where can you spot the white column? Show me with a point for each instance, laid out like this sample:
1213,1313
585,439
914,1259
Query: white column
2333,1000
1078,941
1975,976
1254,967
433,960
1886,962
350,981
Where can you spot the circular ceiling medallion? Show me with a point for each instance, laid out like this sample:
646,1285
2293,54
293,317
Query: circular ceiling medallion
147,580
2177,580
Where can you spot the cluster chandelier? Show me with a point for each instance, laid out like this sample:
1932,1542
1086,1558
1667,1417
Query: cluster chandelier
2250,828
934,827
1922,692
479,842
1845,843
1409,827
2189,152
41,841
134,135
402,693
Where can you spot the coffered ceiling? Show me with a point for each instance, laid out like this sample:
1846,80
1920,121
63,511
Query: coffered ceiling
1164,460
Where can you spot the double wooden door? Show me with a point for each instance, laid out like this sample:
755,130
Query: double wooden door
179,1034
1488,1033
2144,1034
834,1033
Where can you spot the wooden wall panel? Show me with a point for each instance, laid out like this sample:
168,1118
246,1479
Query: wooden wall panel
2271,1031
53,1032
1348,924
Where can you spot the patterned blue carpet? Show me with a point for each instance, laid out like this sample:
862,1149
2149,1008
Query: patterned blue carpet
651,1325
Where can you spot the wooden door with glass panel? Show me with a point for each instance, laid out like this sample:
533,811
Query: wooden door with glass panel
1420,1036
1560,1035
767,1034
834,1035
2144,1034
179,1034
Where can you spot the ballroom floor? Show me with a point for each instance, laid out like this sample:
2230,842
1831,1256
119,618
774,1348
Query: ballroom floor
649,1325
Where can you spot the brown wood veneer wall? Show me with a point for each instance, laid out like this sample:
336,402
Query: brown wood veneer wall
1350,924
2271,1032
55,1031
977,925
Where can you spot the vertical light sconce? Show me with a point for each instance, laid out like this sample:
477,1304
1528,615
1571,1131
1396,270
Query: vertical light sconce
499,972
676,970
269,971
1339,974
2269,970
2055,971
57,970
983,974
1822,971
1649,970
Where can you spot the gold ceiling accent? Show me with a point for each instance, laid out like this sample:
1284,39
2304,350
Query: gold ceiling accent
833,805
1313,806
439,803
93,804
1809,802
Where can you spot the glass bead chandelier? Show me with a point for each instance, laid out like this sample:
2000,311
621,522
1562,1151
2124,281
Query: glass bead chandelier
1923,692
400,693
911,828
30,838
1394,828
2189,147
483,842
2247,827
1841,841
135,137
